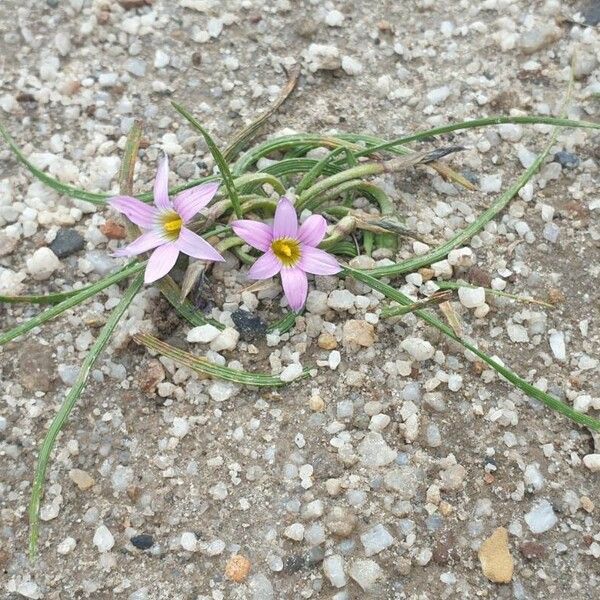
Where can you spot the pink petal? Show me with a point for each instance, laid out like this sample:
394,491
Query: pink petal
193,245
295,286
286,221
146,241
318,262
161,185
189,202
265,267
313,230
135,210
256,234
161,262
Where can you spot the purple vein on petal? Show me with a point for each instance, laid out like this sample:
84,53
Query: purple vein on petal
285,224
161,185
161,261
146,241
193,245
189,202
295,286
135,210
265,266
313,230
318,262
254,233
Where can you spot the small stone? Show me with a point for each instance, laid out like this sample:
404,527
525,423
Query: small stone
541,517
592,462
495,558
327,341
226,340
471,297
291,372
341,300
161,59
452,478
351,66
566,159
517,333
220,391
237,568
322,57
66,546
143,541
438,95
418,348
491,184
189,542
557,345
82,479
42,264
334,18
358,333
532,550
294,532
340,521
214,548
374,451
113,230
540,36
261,588
67,242
333,567
403,480
150,375
316,302
367,573
376,539
250,326
103,539
203,334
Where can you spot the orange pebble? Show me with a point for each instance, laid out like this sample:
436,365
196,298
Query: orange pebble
237,568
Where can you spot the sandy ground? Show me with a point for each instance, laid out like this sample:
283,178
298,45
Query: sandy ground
329,487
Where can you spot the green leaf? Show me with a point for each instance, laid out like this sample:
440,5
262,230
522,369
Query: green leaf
71,301
67,406
221,162
202,365
526,387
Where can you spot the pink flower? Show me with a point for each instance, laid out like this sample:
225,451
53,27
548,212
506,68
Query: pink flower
289,250
163,224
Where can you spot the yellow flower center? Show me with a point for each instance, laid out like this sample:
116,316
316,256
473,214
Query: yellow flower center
287,251
171,223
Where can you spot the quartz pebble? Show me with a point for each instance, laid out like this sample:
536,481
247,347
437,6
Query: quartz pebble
189,541
471,297
374,451
376,539
541,517
42,264
418,348
367,574
103,539
333,567
203,334
592,462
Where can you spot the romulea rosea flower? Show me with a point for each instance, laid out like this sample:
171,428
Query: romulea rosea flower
288,250
163,225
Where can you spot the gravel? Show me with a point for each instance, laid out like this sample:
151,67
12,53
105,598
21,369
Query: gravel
388,470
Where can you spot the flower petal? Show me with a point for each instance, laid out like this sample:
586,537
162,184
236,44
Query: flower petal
161,185
318,262
286,220
295,286
146,241
135,210
161,262
265,267
189,202
256,234
192,244
313,230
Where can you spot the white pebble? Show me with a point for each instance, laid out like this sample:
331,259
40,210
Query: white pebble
557,345
189,541
471,297
541,517
438,95
294,532
351,66
592,462
333,567
291,372
103,539
419,349
203,334
42,264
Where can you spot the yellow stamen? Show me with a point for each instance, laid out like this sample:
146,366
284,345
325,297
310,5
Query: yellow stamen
171,223
287,250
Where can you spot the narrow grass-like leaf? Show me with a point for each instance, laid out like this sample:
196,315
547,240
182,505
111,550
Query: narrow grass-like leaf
311,176
221,162
398,311
412,264
428,133
244,137
170,290
67,406
284,324
202,365
453,285
524,386
51,182
53,298
70,302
